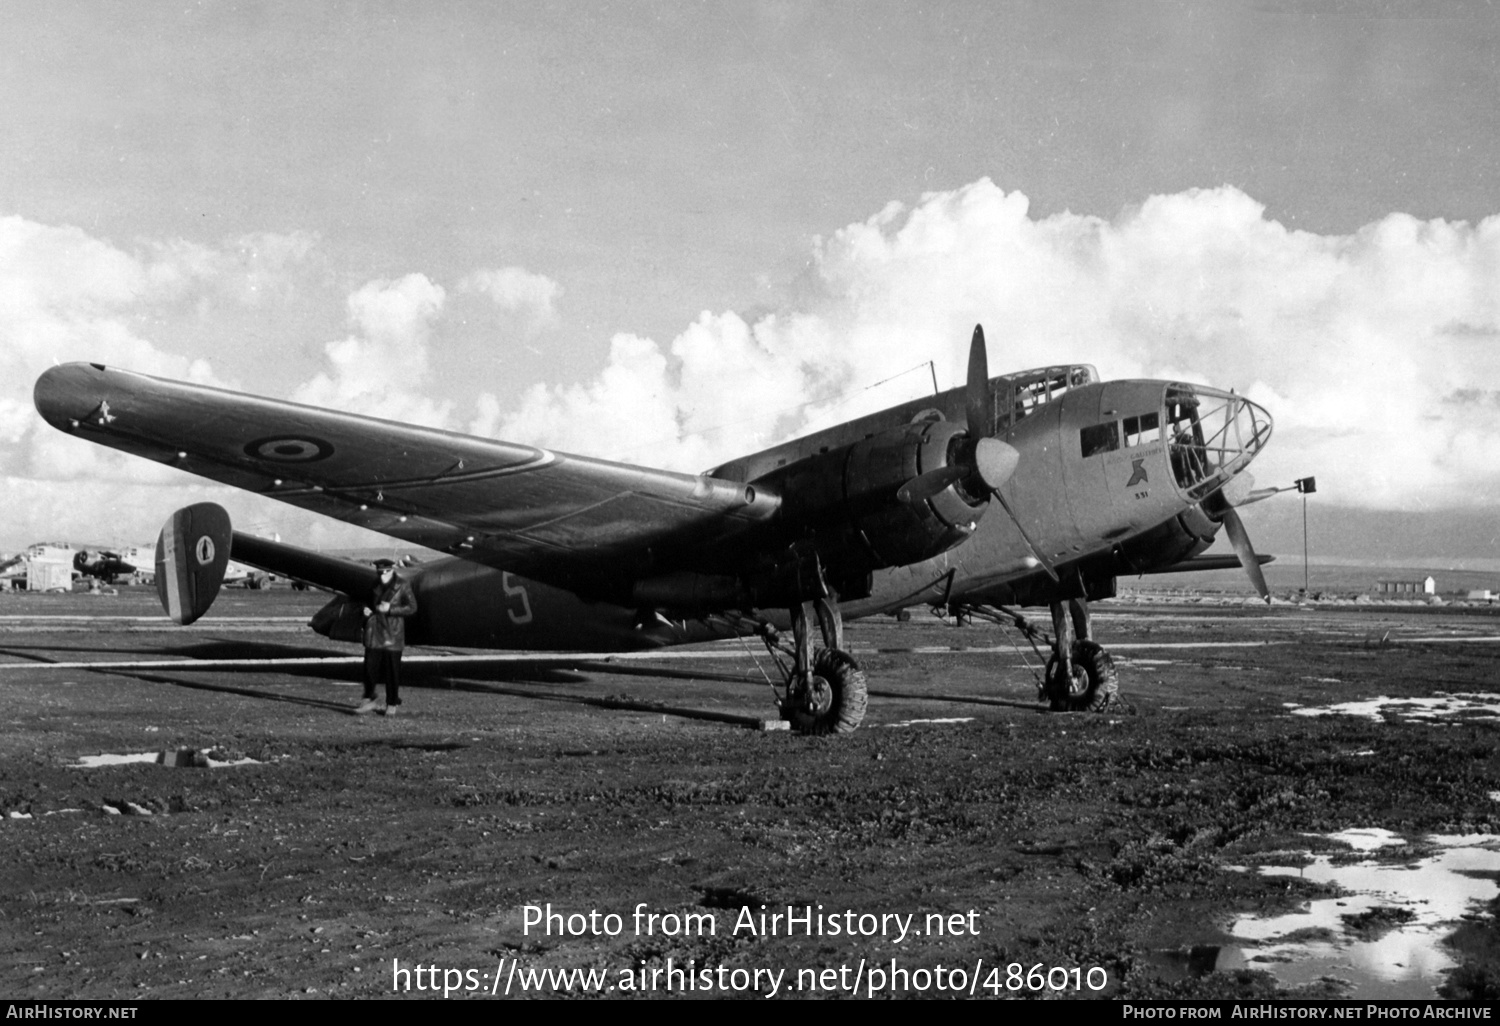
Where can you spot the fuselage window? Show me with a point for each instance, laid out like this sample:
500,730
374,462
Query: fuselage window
1142,430
1097,438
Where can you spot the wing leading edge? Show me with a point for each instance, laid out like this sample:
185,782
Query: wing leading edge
567,520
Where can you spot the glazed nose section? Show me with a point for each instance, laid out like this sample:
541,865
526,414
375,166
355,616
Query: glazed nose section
1212,435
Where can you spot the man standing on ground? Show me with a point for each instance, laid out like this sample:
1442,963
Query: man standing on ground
391,602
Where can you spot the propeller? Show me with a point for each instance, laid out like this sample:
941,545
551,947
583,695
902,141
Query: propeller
990,462
1246,552
1237,491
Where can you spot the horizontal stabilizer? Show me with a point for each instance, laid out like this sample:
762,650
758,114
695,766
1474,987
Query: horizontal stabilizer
192,553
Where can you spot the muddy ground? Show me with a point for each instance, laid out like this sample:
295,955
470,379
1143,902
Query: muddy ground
1096,843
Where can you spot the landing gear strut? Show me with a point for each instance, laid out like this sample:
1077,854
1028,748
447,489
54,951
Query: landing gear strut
1080,675
825,690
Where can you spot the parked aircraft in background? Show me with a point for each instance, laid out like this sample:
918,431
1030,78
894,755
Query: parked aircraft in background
242,575
102,563
1030,489
110,565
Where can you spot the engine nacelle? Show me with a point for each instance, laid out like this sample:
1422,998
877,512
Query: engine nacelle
844,501
1183,536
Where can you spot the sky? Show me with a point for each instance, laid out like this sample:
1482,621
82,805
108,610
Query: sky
672,233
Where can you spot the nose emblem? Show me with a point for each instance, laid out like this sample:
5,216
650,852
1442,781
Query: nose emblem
1137,473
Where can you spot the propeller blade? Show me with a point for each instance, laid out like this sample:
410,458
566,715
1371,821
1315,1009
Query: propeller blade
1047,566
1246,552
979,406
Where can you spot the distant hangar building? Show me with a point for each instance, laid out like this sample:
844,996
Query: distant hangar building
1425,586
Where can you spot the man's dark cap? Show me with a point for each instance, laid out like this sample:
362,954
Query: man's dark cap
384,564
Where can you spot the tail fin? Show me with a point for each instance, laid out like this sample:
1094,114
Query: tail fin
191,555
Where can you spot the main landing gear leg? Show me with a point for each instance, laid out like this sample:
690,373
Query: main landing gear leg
830,621
826,692
1080,675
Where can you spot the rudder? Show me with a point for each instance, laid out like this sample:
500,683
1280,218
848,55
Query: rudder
192,553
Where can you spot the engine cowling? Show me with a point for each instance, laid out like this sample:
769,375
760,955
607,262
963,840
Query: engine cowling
844,500
1185,535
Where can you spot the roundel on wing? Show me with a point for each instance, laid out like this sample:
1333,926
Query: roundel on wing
289,449
205,550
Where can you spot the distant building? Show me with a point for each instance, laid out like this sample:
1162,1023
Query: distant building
1480,595
48,575
1426,586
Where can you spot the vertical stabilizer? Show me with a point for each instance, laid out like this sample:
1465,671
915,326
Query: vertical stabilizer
191,555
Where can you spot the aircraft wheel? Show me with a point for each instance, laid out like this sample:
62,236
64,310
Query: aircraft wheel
1095,682
836,697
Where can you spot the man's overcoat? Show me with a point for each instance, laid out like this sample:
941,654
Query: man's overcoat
388,630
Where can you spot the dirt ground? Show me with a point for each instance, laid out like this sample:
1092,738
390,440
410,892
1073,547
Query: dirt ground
1098,847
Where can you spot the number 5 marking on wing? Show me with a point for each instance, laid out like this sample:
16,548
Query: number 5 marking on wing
516,591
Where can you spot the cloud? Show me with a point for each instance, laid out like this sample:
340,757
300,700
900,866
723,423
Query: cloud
380,369
244,271
723,387
65,295
531,297
1377,351
1350,340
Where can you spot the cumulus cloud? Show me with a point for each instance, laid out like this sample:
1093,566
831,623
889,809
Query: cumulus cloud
244,270
530,297
381,367
724,386
65,295
1367,348
1377,351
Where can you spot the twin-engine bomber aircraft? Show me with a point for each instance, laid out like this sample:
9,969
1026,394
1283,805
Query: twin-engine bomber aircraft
1028,489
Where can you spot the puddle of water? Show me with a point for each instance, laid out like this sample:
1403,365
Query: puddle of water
94,761
177,757
1477,706
1367,838
951,719
1384,935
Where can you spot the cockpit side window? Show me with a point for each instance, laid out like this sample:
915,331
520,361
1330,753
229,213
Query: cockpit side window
1097,438
1142,430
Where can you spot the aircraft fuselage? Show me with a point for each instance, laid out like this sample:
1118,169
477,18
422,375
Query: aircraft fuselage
1111,475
